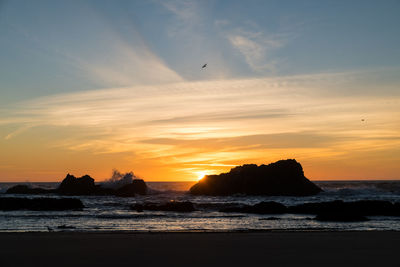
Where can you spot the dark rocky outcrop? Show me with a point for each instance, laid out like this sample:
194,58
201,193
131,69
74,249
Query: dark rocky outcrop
40,204
138,186
73,186
337,210
64,227
340,217
361,207
185,206
269,207
282,178
24,189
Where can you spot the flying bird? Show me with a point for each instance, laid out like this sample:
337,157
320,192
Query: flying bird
205,65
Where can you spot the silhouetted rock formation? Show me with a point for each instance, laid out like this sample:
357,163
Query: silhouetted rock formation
24,189
270,207
396,207
138,186
40,204
73,186
185,206
361,207
326,211
64,226
340,217
282,178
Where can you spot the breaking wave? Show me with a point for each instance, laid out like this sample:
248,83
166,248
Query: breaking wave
118,179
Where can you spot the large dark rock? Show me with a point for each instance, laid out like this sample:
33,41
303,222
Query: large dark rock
282,178
185,206
337,210
375,208
340,217
361,207
24,189
269,207
138,186
40,204
317,207
73,186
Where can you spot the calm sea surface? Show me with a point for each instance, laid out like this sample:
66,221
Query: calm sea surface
109,213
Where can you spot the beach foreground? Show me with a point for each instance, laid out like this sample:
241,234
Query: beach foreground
316,248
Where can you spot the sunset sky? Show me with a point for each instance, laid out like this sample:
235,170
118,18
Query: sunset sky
89,86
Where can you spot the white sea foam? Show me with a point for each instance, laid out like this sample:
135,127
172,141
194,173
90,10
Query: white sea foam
118,179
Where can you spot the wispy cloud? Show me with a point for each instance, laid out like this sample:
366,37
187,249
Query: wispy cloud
226,116
187,20
257,48
195,42
185,10
260,141
113,59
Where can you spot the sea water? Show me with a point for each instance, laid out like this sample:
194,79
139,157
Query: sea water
110,213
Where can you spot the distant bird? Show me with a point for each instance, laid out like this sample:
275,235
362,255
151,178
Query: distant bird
362,120
49,229
205,65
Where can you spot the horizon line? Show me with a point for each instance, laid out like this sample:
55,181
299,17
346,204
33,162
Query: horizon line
194,181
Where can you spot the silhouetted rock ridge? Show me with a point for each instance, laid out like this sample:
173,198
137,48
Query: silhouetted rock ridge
282,178
83,186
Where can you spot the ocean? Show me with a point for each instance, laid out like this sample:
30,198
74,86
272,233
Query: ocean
110,213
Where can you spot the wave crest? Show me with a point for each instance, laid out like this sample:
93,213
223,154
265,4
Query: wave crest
118,179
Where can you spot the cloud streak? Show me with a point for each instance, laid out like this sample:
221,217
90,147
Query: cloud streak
256,47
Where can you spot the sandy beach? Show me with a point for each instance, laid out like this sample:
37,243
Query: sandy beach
201,249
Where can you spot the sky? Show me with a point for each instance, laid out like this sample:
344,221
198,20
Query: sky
91,86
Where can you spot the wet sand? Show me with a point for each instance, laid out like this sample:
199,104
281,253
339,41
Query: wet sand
201,249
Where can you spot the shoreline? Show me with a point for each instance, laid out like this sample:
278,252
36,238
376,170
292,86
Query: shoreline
273,248
245,231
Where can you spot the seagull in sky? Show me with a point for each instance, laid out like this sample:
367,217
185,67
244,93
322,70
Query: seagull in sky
205,65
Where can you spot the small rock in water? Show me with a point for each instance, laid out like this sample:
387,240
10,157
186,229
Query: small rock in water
24,189
185,206
265,207
340,217
269,219
64,226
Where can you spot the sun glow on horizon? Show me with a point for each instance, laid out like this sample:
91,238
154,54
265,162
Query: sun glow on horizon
201,174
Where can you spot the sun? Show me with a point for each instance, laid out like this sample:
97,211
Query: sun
200,175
